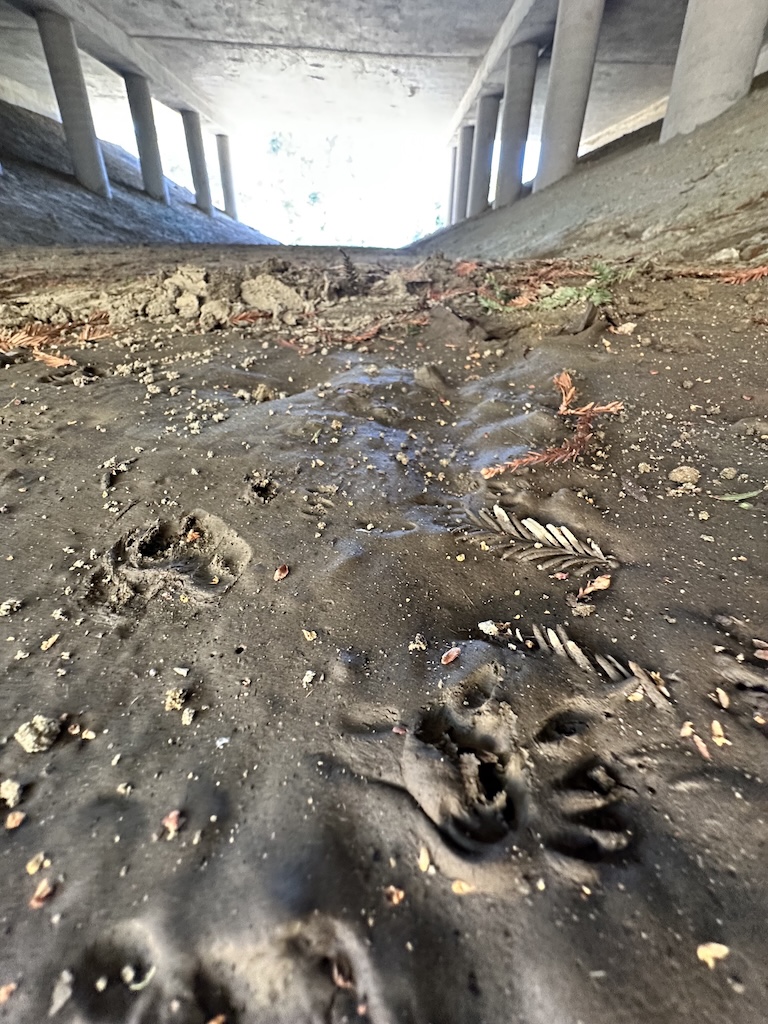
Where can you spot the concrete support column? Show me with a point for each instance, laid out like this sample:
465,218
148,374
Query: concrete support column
463,167
140,102
57,35
570,76
520,79
482,154
227,178
194,135
716,61
451,187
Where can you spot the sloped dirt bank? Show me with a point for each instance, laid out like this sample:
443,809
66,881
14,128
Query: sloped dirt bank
327,731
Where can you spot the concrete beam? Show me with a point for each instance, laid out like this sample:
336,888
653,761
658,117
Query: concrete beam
463,168
451,186
515,116
482,154
196,150
103,40
58,38
570,76
227,178
528,20
716,61
140,101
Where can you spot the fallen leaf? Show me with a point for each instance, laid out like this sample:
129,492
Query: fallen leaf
309,635
44,891
763,655
424,859
399,730
450,656
711,952
14,819
47,644
462,888
718,736
737,497
34,864
600,583
6,991
466,268
722,698
52,361
280,573
686,730
701,746
220,1018
172,823
394,895
636,695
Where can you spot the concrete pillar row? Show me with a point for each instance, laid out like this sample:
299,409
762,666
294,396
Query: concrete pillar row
482,154
196,150
463,167
227,178
716,61
515,116
570,76
140,101
57,35
451,186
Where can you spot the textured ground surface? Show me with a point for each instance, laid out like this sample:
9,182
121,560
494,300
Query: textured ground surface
383,787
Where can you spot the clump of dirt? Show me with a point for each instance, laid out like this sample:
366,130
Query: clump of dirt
461,746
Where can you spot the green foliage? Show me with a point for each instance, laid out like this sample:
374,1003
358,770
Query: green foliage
500,297
598,289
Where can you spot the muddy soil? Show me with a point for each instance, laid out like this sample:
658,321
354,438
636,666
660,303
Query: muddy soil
304,718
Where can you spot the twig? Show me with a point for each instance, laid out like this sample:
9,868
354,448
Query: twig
571,448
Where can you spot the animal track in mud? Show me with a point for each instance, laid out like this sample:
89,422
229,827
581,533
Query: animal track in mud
196,560
522,759
507,787
131,974
260,488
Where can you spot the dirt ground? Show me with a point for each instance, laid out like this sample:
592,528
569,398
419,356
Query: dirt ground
307,719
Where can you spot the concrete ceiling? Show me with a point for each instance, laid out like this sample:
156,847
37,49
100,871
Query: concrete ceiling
396,63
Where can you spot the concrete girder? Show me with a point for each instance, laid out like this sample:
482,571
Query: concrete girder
570,76
463,167
227,177
451,186
482,153
528,20
522,61
140,100
716,61
196,150
57,35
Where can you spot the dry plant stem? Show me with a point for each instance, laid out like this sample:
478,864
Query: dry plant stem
572,447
